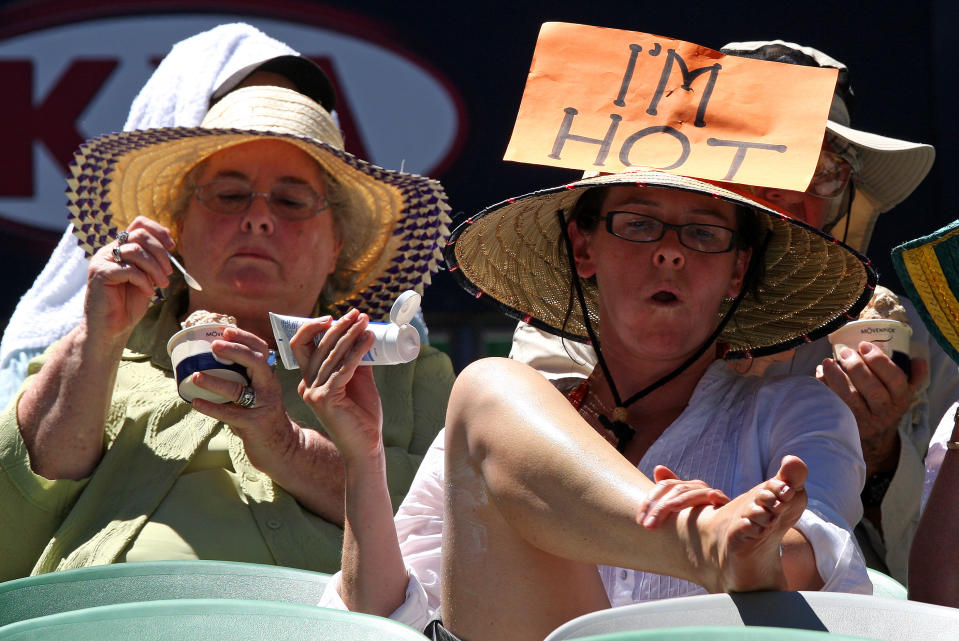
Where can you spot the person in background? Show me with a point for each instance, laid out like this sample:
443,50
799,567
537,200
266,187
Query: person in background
927,270
101,460
860,175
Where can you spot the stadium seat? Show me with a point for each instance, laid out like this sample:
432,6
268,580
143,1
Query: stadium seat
885,586
856,615
210,620
155,580
723,633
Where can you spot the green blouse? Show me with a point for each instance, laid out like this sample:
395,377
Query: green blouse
172,482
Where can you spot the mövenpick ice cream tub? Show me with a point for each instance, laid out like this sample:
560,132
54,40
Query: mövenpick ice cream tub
189,350
891,336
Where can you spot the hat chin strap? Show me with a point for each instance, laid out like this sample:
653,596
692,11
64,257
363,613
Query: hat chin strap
847,199
617,424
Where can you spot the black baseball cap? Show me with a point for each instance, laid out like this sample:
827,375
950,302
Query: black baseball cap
305,74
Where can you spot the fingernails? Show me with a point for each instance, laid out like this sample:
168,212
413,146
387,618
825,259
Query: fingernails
865,348
649,522
324,319
845,353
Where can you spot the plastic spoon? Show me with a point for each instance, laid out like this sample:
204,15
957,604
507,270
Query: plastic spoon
189,279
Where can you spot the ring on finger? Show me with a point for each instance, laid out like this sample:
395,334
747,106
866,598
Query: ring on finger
247,397
122,237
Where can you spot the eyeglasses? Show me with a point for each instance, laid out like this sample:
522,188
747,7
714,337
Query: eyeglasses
640,228
831,177
231,197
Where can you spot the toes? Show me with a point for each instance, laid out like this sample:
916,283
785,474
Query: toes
791,475
759,516
767,498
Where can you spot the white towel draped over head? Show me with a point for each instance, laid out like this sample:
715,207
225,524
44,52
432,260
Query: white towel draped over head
176,95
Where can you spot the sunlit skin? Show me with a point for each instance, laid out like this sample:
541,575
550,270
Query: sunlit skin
664,295
529,478
256,262
659,303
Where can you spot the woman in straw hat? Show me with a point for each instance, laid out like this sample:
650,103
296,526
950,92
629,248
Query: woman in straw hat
101,460
860,175
191,77
544,508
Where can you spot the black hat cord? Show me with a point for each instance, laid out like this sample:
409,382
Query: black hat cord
617,424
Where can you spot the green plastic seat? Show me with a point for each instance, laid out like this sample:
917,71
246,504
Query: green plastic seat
723,633
207,620
855,615
46,594
885,586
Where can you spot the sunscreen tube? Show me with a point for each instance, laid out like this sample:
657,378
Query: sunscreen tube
394,342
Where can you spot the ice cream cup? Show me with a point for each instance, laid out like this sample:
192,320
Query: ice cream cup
891,336
189,350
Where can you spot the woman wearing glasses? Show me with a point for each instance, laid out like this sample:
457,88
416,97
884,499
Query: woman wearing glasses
538,503
860,175
101,461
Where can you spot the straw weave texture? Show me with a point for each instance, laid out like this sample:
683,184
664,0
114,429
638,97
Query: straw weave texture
513,253
402,221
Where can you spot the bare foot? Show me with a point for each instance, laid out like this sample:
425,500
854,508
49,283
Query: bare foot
741,539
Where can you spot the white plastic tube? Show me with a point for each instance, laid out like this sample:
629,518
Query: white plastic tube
393,343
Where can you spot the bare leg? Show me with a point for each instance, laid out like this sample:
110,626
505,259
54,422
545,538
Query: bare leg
536,499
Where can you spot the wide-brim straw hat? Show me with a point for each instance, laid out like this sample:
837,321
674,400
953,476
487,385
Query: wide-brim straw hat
400,220
928,269
888,169
513,254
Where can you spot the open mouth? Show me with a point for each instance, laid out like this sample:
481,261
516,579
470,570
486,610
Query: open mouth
665,297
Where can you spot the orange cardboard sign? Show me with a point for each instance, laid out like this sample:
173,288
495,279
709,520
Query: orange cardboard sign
607,100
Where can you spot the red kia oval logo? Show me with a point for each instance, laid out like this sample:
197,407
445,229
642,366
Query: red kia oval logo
70,75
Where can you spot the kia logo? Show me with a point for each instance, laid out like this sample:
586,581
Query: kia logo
69,81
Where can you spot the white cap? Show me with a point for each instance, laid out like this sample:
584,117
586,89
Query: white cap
405,307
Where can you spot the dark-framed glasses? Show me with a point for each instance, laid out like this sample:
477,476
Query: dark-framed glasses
640,228
289,201
832,175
